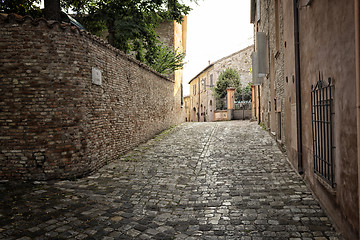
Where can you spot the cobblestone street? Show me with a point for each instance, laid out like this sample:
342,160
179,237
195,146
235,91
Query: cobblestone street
224,180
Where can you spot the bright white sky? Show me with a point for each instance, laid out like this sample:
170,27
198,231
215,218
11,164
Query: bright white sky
215,29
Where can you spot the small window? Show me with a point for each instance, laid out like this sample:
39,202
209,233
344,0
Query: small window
275,105
210,102
211,80
203,84
269,106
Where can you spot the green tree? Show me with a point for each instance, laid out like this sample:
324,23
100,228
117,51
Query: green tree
168,60
128,24
131,24
246,93
51,11
21,7
227,78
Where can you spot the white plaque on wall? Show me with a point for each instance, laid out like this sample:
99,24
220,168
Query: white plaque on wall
96,76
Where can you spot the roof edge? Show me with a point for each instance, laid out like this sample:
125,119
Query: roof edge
212,64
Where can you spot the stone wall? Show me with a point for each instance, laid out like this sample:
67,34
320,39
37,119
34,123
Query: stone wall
241,114
220,115
272,88
240,61
54,122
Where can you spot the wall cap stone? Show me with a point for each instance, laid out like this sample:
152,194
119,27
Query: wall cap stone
13,18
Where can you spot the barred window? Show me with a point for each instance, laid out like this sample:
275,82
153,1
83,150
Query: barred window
322,129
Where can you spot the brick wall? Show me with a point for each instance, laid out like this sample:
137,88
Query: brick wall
54,123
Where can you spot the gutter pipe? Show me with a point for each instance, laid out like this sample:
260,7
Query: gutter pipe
357,68
259,118
298,88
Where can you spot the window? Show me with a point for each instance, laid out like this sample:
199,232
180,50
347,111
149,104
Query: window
275,105
194,89
203,84
322,130
211,80
269,106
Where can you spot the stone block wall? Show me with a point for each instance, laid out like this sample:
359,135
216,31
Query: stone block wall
240,61
221,115
272,90
54,122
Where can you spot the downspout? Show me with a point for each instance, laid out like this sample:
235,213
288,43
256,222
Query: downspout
357,67
259,104
199,102
298,88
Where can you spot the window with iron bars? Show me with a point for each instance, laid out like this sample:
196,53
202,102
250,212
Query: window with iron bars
322,129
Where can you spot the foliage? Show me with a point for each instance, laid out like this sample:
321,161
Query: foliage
32,7
129,25
246,93
227,78
21,7
77,6
168,60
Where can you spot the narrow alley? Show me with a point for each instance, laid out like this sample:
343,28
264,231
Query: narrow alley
224,180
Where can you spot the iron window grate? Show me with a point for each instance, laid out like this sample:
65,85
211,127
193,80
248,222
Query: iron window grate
322,129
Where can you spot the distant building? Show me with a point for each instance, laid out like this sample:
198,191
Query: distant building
187,108
202,101
173,34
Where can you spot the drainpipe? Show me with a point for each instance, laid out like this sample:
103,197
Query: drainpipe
298,89
199,110
357,67
259,118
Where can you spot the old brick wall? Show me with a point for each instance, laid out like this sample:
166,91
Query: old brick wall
54,123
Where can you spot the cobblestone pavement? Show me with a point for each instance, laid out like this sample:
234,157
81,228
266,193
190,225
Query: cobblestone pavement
225,180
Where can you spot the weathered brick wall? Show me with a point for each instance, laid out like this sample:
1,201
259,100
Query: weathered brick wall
54,123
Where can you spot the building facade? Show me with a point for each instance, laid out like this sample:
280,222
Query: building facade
202,101
306,95
187,108
174,34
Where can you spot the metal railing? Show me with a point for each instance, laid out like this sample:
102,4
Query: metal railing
322,129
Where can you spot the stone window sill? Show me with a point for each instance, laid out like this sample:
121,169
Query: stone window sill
326,185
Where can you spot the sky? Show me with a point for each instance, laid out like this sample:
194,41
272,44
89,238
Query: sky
215,29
